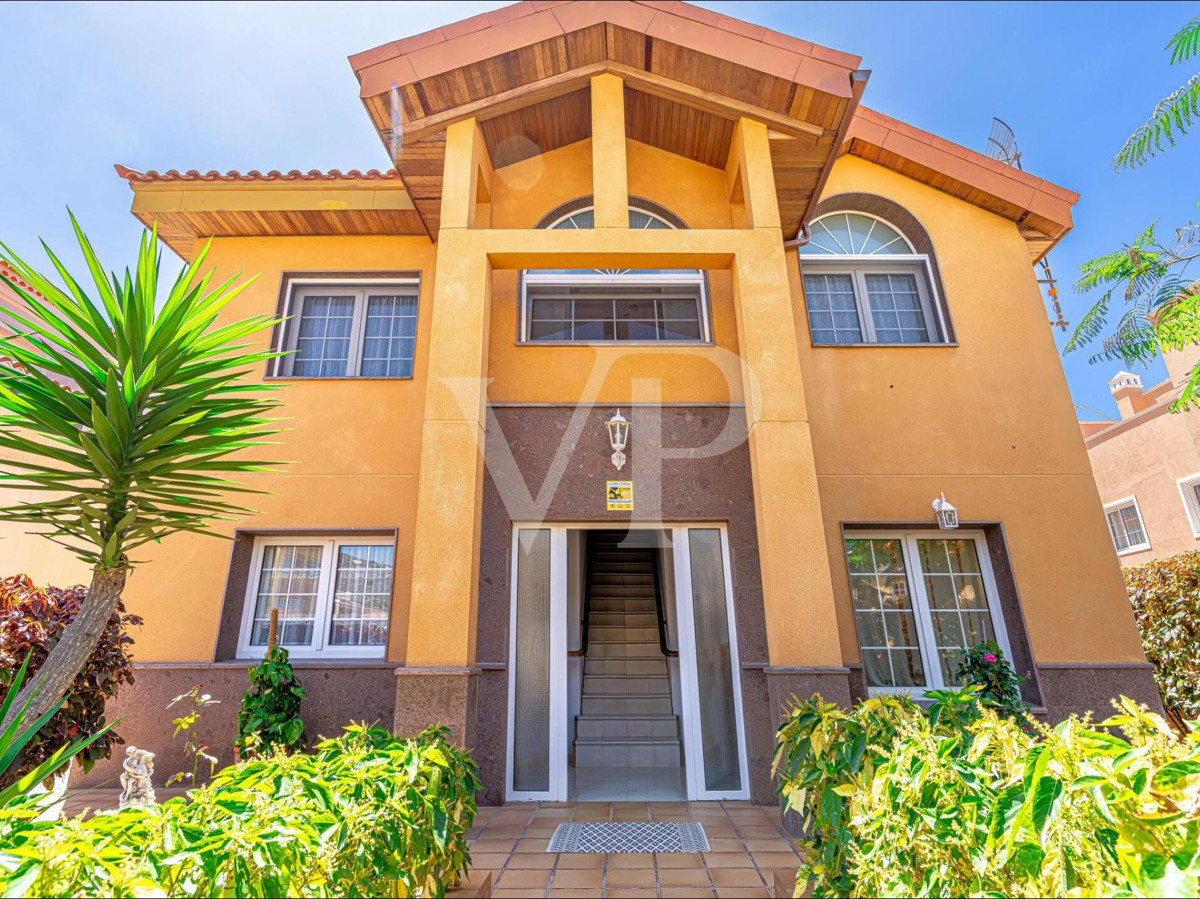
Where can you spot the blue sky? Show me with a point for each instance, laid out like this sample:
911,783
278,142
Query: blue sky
267,85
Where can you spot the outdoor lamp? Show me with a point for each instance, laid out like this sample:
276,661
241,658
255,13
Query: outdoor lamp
618,436
947,515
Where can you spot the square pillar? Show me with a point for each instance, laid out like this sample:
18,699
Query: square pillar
802,629
610,174
445,583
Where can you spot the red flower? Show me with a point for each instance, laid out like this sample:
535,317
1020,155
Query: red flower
988,657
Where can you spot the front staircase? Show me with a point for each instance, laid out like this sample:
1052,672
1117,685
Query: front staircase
626,718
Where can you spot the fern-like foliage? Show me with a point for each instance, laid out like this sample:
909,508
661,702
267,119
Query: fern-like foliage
1174,114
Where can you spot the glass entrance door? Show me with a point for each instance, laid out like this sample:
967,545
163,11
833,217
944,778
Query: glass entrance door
712,729
714,735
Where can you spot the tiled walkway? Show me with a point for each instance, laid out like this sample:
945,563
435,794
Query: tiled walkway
747,844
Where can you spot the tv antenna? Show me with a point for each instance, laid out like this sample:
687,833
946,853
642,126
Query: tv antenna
1002,146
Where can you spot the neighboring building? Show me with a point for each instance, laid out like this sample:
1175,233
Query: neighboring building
603,208
1147,465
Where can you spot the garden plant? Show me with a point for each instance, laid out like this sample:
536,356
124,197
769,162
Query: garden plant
126,410
367,814
32,619
959,801
269,718
1166,601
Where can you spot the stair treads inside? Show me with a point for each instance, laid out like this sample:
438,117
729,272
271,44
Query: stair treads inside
629,836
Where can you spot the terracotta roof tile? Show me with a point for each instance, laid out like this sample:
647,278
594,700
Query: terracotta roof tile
152,176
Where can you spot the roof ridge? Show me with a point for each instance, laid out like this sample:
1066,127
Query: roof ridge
152,175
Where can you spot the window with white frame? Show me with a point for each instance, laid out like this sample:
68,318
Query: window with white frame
350,330
333,594
864,283
920,600
1189,492
613,305
1126,527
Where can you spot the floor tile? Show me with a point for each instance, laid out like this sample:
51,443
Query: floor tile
581,860
728,860
577,879
767,860
683,877
574,894
686,893
736,877
630,860
523,880
531,860
679,860
630,878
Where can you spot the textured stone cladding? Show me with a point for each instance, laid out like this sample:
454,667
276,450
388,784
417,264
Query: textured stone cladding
699,488
337,695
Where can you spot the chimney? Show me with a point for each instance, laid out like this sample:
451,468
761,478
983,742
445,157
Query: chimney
1125,386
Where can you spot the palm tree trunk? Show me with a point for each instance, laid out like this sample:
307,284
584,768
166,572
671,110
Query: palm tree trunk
74,648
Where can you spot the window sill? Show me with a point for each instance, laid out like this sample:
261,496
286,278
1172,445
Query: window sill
854,346
331,662
337,377
1130,550
615,343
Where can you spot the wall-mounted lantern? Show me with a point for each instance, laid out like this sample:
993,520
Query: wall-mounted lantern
618,436
947,515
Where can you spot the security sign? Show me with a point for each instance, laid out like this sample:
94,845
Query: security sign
620,496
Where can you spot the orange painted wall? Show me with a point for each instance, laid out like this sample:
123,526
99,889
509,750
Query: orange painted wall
354,446
525,192
989,421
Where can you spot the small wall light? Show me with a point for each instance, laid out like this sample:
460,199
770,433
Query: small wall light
618,436
947,515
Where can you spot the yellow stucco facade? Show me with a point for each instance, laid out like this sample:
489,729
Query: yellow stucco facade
836,437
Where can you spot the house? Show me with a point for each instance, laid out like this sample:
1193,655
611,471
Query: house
618,409
1147,465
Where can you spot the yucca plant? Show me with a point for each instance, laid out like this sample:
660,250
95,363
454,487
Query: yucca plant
1174,113
126,411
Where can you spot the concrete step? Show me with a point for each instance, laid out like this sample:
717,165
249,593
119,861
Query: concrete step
654,754
617,727
603,633
601,650
617,705
625,684
645,667
623,619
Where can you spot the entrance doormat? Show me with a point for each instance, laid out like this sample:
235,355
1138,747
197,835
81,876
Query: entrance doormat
629,836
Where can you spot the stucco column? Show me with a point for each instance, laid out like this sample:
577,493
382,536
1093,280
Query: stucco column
438,683
802,629
610,175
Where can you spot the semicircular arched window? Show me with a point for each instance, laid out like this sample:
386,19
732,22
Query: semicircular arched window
613,305
864,283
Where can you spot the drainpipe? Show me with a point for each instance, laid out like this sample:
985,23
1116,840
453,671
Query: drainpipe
858,84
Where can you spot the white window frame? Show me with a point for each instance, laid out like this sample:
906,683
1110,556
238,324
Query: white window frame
290,329
1191,504
618,279
858,267
1120,504
926,635
324,608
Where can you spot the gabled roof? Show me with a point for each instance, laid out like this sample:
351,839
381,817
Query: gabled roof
1041,210
523,72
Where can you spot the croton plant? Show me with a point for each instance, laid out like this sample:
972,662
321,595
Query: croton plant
32,619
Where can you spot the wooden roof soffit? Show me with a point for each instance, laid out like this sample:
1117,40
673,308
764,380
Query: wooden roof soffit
523,72
190,207
1040,209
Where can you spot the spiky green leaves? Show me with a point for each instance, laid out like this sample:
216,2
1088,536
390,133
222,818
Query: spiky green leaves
128,414
1174,114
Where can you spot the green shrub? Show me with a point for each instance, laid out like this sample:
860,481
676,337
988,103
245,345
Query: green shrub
984,666
959,801
270,713
1166,601
367,815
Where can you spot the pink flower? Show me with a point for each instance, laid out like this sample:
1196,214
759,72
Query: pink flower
988,657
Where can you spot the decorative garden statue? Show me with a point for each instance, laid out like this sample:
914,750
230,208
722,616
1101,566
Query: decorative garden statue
137,788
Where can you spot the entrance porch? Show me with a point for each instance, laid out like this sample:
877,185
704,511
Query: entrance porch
749,854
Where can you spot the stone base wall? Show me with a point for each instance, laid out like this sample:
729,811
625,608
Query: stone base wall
1075,688
336,696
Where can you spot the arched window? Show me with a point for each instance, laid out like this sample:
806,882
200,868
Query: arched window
616,304
865,283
